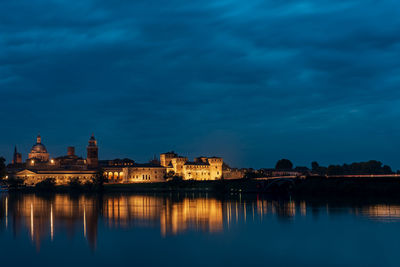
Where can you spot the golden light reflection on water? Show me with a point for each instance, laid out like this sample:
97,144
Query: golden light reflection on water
42,217
382,212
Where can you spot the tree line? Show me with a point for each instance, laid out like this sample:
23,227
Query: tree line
355,168
373,167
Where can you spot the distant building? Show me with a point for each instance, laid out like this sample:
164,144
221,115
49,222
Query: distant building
202,168
17,157
39,151
40,166
232,173
92,153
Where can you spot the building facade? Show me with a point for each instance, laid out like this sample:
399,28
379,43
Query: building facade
40,166
39,151
202,168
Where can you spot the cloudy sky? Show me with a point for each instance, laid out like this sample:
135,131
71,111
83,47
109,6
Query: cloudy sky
251,81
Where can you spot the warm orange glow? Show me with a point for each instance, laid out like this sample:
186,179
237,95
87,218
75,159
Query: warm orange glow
43,217
382,212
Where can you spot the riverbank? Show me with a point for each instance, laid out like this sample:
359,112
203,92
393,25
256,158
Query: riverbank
310,186
348,187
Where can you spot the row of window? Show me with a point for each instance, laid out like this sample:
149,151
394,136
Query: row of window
123,164
203,173
144,177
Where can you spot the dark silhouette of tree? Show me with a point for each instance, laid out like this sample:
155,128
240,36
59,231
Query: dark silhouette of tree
169,175
172,176
14,182
2,167
74,183
359,168
250,174
99,179
314,166
302,169
317,169
284,164
225,166
47,185
386,169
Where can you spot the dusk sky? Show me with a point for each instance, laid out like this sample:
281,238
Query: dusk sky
250,81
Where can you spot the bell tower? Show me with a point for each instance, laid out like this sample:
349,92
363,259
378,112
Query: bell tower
17,158
92,153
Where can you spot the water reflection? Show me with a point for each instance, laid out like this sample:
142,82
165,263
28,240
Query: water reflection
38,217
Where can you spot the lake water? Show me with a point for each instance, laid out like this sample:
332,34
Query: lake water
196,230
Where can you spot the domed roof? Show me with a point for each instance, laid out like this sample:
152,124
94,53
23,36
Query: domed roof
38,148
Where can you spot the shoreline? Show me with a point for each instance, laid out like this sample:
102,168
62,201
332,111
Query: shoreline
310,186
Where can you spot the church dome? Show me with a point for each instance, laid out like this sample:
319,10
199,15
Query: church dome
38,148
39,151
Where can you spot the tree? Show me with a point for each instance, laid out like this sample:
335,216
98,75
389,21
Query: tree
169,175
2,167
360,168
314,166
387,170
74,183
284,164
47,184
14,182
99,179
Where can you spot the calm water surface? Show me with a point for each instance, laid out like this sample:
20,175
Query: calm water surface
196,230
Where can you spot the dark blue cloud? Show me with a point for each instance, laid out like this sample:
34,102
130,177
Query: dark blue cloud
250,81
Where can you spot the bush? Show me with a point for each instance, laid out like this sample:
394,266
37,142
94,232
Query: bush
99,179
46,185
88,186
169,175
14,182
2,168
74,183
177,178
176,181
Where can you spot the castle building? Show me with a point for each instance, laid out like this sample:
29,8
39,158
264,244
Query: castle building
202,168
140,173
40,166
166,158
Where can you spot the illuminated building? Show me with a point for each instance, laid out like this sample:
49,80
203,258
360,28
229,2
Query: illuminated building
39,151
92,153
202,168
39,166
